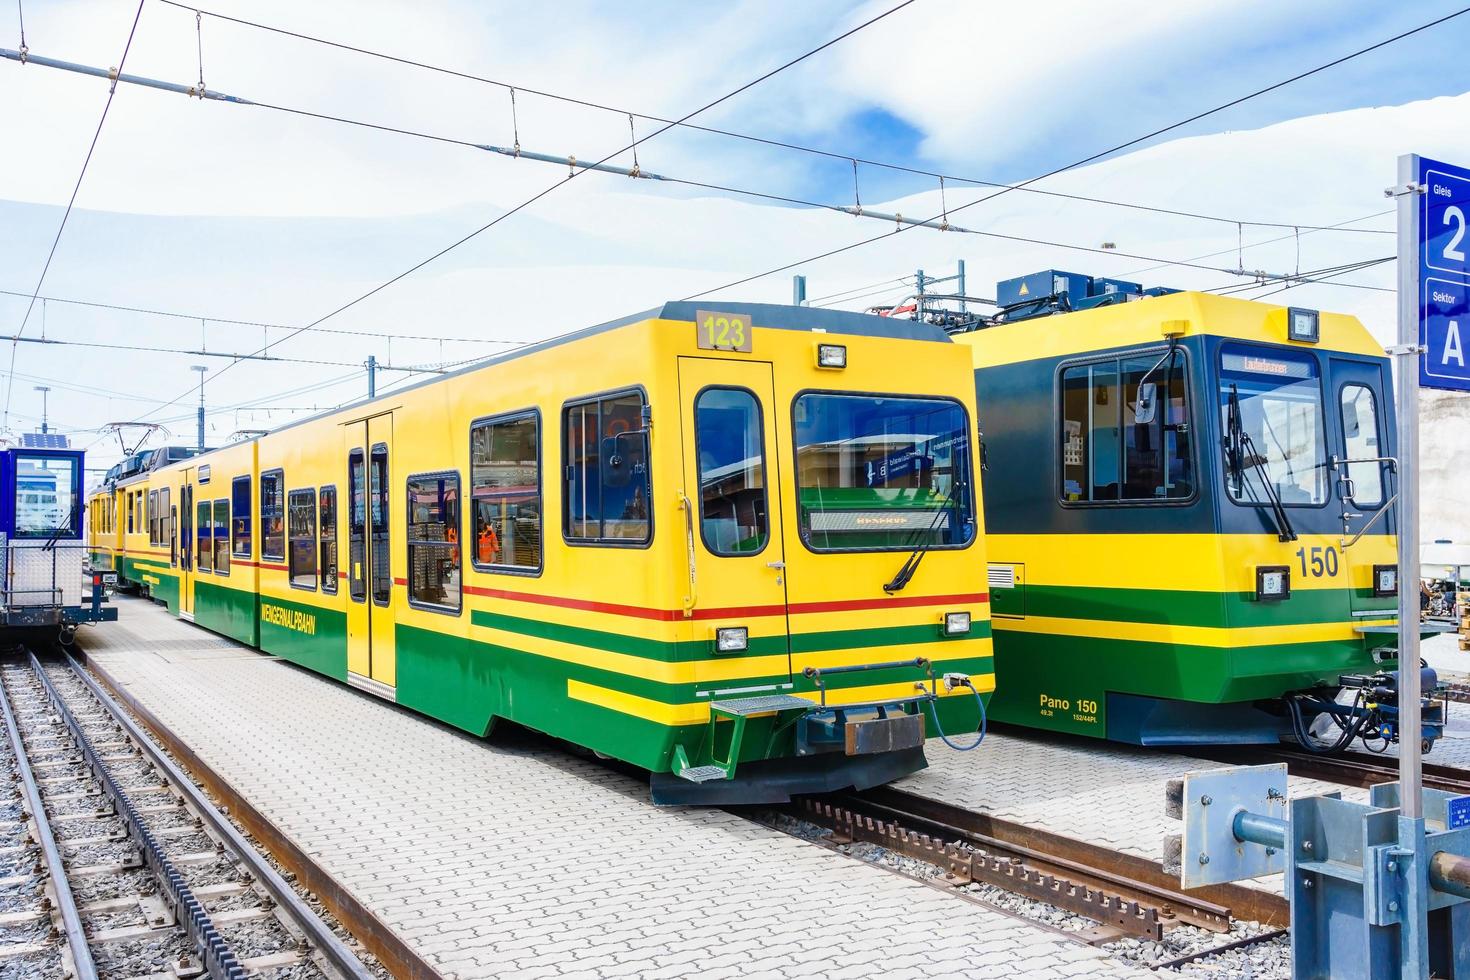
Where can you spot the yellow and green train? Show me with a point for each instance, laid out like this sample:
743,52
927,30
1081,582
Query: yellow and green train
1188,501
741,547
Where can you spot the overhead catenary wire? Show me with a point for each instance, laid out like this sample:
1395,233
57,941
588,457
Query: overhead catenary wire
551,188
61,227
1100,154
856,209
842,157
152,311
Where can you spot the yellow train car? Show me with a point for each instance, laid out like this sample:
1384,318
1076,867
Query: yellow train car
739,547
1194,539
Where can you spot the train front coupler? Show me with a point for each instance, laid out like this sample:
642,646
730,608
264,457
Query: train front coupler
1364,706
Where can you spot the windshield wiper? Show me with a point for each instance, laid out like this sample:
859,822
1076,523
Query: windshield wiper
911,565
1240,451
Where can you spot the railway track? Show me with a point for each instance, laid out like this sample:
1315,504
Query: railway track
116,865
1123,894
1348,769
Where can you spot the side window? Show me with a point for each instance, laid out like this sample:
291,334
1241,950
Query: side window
606,486
131,497
240,530
382,577
153,517
732,473
1360,441
1125,433
222,537
1089,435
301,521
356,526
329,539
433,540
272,517
165,522
204,551
505,481
173,542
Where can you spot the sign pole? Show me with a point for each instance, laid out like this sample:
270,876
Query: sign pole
1406,380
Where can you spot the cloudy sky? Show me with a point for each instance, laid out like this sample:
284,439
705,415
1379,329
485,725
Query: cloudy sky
245,215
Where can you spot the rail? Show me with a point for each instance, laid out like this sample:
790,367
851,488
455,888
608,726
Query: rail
396,955
66,905
218,958
317,933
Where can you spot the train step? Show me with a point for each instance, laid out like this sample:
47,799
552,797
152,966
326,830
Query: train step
761,705
702,774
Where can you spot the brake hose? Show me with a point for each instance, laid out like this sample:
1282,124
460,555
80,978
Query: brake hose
979,735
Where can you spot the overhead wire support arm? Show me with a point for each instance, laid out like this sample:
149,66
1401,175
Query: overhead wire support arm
114,76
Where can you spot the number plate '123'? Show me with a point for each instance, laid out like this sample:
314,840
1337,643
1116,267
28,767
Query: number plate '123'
722,331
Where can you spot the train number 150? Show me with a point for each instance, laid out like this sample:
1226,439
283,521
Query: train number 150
1323,561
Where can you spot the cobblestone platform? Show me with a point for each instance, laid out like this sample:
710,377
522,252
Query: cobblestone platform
505,857
1095,791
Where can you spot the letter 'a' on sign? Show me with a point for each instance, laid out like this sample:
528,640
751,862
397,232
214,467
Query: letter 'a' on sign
1444,274
722,331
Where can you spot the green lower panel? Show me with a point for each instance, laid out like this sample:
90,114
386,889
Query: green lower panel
1062,682
468,683
231,612
313,637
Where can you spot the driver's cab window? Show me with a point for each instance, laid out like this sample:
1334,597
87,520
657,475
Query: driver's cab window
1360,442
606,486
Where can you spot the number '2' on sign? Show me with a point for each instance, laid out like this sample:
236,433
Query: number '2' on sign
722,331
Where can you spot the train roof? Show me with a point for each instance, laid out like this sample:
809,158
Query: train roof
767,316
1150,320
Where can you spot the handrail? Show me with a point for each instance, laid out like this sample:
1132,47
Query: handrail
689,537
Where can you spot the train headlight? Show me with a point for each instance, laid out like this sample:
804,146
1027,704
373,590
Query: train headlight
1385,580
731,639
831,356
956,623
1273,583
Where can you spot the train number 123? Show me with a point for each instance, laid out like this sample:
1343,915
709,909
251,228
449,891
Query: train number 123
722,331
1318,562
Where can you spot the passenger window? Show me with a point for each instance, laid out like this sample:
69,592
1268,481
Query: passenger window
272,517
505,477
732,471
222,537
153,517
203,550
173,542
382,578
1360,441
433,540
607,488
301,529
356,526
1125,433
329,539
240,531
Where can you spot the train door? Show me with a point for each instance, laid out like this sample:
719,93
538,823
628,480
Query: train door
731,467
1356,398
186,548
370,597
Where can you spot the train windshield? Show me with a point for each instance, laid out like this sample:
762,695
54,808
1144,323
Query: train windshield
1271,413
877,473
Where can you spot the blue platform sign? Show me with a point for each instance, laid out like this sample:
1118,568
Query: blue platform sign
1444,276
1457,813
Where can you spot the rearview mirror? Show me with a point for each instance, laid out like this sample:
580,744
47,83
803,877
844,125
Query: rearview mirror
1145,410
624,456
